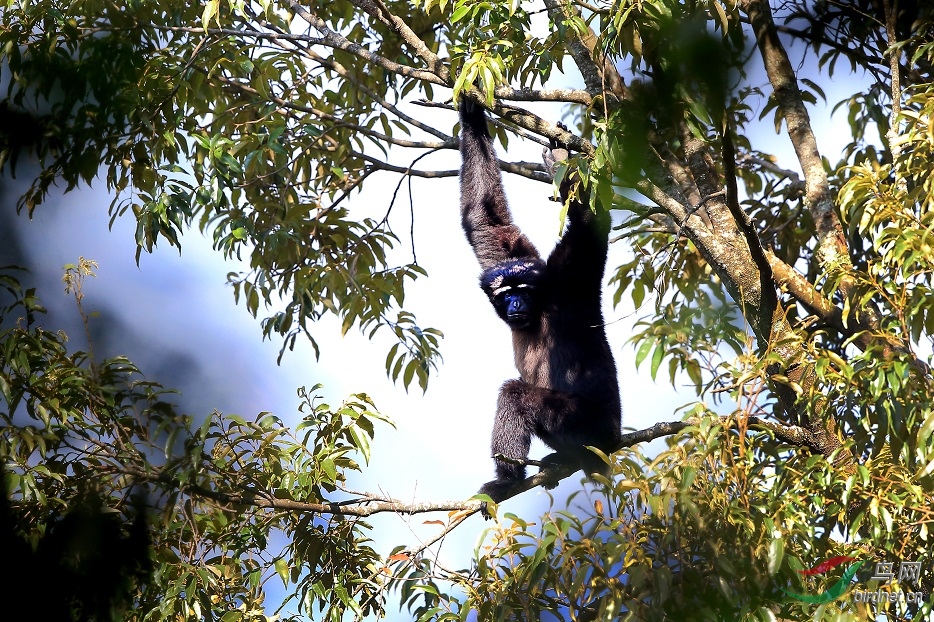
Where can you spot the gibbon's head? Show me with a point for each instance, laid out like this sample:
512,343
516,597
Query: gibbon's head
515,289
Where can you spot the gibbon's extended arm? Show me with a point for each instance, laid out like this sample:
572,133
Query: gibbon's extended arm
578,260
484,211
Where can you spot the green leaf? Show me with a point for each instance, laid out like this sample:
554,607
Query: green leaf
657,357
211,8
460,12
282,569
776,554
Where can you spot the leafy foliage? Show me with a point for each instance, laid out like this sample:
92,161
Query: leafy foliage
215,144
796,311
73,431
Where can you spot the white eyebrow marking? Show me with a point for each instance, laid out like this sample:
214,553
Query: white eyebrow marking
500,290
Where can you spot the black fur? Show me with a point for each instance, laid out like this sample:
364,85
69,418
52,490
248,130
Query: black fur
567,393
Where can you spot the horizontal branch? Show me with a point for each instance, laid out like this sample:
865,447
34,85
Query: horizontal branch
393,168
551,475
573,96
518,131
747,161
366,506
532,122
263,500
517,168
521,118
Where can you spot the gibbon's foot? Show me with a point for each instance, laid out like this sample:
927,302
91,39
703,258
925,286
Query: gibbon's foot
585,460
557,459
497,490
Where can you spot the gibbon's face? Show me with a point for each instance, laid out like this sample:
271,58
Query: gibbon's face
517,305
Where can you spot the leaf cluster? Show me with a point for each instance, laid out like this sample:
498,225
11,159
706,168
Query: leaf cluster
205,490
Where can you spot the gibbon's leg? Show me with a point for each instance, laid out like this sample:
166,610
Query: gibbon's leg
585,423
512,437
566,423
513,428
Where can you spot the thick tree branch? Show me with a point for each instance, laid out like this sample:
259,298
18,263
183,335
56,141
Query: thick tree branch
832,251
768,299
894,53
518,131
807,294
574,96
534,123
551,475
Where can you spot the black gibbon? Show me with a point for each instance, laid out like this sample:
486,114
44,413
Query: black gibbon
567,393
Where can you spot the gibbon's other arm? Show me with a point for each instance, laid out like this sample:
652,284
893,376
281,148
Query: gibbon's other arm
484,211
578,260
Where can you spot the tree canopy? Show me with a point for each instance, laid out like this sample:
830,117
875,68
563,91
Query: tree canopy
791,298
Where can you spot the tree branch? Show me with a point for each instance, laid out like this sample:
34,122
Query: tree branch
747,160
332,65
894,53
518,131
832,251
768,298
332,39
600,76
853,53
509,167
550,476
378,10
808,295
449,143
574,96
523,119
368,506
342,72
